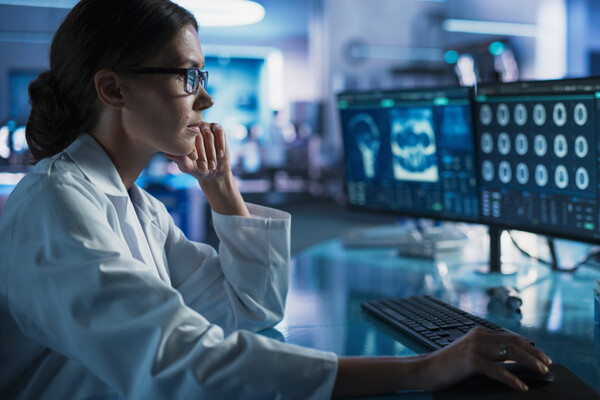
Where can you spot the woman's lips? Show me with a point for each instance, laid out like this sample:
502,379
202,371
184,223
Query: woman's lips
195,128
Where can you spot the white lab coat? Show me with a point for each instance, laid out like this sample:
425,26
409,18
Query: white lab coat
102,296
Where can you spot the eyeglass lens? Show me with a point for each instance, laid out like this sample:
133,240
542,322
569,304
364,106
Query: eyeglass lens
195,77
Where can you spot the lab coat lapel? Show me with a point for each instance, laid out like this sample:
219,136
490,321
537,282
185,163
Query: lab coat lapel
127,225
155,236
156,240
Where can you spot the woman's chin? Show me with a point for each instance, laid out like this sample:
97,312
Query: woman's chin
183,148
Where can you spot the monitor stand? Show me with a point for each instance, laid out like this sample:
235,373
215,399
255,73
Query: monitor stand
495,264
553,258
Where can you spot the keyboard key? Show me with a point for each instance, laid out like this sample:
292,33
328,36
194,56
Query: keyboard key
395,315
450,325
431,326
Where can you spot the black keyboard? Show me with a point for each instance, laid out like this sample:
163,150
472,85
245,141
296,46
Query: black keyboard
427,319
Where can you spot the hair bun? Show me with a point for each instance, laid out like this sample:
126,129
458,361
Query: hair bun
43,89
48,122
48,77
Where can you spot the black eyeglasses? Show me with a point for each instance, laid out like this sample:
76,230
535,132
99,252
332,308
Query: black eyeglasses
194,77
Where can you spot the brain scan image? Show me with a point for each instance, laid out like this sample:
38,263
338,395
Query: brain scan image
368,140
539,114
581,146
580,114
413,145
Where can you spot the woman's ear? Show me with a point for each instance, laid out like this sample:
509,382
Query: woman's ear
109,88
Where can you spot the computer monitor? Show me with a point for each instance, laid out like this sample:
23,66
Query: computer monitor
521,156
411,152
537,151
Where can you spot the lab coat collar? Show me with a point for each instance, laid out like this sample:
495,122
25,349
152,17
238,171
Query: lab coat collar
95,164
99,169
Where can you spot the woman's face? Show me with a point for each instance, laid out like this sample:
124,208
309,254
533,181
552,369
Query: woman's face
160,115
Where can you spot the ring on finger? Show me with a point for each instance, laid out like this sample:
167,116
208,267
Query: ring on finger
503,350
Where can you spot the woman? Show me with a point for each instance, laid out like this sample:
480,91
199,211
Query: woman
101,296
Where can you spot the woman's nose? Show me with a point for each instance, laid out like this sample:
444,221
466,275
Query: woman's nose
203,100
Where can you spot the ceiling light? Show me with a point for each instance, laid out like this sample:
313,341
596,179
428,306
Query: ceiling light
207,12
41,3
224,12
491,27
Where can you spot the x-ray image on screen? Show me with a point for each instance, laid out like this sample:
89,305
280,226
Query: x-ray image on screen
368,140
413,144
455,128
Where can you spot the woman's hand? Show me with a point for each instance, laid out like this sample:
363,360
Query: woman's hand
477,353
209,163
210,157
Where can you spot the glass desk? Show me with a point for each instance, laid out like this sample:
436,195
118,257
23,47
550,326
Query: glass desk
329,283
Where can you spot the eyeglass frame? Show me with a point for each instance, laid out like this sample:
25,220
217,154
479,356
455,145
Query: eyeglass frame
193,72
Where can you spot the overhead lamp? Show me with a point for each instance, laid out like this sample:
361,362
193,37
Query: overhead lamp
224,12
207,12
40,3
491,27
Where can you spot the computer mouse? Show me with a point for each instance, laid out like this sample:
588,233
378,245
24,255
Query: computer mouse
527,375
530,377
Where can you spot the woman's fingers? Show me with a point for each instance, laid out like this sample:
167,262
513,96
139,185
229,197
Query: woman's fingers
501,374
515,349
202,161
219,139
213,146
208,147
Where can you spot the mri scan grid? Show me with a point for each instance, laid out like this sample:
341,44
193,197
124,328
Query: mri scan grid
537,160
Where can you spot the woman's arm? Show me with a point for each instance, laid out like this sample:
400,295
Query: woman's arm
244,286
476,353
372,376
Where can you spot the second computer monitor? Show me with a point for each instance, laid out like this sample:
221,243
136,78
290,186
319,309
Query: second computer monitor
538,156
411,152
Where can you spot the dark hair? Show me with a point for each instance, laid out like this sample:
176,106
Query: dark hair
96,34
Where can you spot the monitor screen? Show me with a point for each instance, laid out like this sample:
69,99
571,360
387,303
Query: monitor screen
538,156
411,152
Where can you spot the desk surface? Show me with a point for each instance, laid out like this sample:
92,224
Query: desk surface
329,283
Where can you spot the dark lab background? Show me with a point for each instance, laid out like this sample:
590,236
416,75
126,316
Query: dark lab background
275,82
